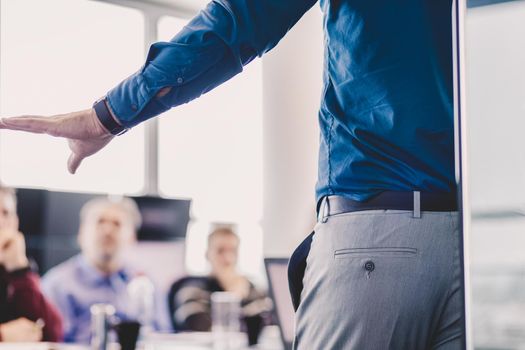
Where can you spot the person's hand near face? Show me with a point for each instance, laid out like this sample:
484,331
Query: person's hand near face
12,250
12,243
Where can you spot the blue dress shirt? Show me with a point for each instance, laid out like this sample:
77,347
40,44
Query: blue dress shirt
75,285
386,114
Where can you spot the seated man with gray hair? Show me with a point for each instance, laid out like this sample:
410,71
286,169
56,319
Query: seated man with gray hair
99,274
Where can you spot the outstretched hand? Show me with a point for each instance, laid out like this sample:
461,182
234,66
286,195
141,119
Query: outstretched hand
84,132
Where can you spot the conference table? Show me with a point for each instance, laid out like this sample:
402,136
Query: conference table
269,340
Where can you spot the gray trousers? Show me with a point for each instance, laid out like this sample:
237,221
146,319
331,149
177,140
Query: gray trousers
382,279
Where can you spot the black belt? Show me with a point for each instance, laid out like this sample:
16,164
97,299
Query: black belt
390,200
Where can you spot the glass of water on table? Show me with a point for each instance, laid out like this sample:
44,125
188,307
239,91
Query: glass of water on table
226,327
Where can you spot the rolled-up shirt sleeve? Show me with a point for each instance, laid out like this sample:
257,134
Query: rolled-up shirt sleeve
213,47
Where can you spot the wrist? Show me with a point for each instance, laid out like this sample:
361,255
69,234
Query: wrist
107,118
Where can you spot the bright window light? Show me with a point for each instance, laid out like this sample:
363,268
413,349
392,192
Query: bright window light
211,151
59,56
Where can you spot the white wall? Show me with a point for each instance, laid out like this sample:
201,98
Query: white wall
292,75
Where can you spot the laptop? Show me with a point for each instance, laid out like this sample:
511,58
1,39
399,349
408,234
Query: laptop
277,273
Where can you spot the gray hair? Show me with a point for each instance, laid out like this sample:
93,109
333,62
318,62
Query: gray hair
128,205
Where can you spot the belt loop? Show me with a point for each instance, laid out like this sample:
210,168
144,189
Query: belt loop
324,210
320,208
417,204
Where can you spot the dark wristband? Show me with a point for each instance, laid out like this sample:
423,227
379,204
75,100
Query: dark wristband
105,117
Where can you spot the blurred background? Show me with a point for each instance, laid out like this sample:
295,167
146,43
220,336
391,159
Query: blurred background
245,153
495,174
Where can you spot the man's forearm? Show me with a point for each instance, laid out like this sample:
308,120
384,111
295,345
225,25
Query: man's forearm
211,49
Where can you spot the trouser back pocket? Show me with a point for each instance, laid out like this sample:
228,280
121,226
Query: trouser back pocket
394,252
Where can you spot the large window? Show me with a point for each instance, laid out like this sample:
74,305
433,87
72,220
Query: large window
58,56
211,150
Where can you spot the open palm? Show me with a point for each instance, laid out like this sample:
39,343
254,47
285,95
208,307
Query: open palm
83,130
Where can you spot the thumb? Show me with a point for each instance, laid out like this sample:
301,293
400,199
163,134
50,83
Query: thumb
74,162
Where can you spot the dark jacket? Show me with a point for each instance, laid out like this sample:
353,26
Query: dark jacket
190,309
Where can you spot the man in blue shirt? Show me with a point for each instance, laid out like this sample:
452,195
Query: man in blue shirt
383,270
99,274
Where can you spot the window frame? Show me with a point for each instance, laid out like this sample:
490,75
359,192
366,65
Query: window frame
152,13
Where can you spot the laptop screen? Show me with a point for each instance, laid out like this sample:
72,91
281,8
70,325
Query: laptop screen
277,271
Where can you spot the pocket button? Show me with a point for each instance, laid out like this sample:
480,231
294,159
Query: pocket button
370,266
